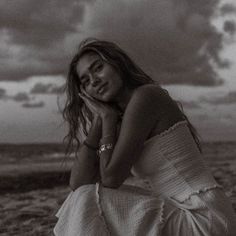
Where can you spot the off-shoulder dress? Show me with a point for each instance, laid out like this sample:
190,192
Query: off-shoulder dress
172,192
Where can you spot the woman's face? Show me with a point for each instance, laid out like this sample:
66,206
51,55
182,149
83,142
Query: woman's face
99,79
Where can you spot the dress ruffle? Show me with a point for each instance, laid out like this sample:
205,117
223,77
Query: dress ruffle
171,193
80,214
96,210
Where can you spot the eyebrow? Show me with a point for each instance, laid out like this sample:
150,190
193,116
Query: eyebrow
91,66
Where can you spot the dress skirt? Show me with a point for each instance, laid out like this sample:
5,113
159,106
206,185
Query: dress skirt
134,211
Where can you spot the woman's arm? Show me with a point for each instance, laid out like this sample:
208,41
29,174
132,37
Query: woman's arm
143,111
109,136
85,169
140,116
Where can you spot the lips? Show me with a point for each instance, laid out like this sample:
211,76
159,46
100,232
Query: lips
101,88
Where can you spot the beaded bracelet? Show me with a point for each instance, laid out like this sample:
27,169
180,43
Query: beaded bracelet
89,146
105,147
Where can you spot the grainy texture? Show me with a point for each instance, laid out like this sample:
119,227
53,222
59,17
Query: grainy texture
33,184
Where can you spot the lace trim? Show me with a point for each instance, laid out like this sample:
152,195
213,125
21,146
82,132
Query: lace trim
100,208
162,219
205,189
173,127
170,129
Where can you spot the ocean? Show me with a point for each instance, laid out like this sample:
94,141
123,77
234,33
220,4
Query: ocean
34,183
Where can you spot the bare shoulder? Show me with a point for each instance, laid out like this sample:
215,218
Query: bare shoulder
151,94
149,89
154,101
145,101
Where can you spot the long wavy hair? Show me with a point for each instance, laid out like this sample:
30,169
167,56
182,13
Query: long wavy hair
76,114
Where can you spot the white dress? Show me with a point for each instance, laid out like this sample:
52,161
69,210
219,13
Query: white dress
172,193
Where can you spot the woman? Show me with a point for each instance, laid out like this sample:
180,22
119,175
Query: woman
138,168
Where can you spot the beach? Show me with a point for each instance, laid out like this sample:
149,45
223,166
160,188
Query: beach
34,183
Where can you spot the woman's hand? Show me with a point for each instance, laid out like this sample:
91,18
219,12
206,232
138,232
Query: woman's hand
98,108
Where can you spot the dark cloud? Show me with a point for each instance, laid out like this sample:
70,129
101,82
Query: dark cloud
35,36
172,40
230,27
228,9
21,97
40,88
229,98
57,89
2,93
50,88
40,23
33,105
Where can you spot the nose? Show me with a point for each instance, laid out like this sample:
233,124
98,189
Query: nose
95,81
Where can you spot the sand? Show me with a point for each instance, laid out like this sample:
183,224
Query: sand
33,187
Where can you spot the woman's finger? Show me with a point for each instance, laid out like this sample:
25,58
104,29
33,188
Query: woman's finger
81,88
82,96
83,91
90,104
86,94
94,105
85,99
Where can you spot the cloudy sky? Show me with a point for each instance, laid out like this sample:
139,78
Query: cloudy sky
188,46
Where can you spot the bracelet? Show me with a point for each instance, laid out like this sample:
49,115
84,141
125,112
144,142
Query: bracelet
105,147
89,146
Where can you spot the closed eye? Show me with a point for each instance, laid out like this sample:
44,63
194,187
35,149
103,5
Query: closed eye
84,80
85,83
98,67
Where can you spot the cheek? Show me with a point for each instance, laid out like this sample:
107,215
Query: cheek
110,72
92,93
116,77
118,81
89,91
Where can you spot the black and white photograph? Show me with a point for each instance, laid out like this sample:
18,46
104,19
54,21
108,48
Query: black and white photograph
118,117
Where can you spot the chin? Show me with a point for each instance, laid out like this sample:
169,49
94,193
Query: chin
107,97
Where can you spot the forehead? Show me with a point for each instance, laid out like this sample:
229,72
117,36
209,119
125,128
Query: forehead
86,61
